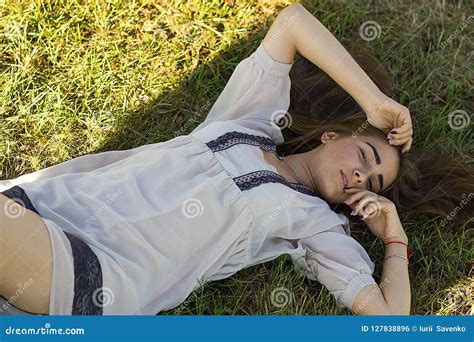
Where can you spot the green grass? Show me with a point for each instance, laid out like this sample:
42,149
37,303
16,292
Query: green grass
77,79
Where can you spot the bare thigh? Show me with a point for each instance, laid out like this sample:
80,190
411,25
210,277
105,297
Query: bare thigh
25,258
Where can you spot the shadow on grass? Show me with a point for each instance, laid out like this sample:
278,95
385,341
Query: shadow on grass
248,292
177,113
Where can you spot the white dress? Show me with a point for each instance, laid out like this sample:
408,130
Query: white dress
134,232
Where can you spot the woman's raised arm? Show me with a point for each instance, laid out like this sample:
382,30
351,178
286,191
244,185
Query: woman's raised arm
296,30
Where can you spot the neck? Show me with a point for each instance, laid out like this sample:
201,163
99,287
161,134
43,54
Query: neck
299,163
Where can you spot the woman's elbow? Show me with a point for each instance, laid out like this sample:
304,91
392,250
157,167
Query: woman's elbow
379,309
370,301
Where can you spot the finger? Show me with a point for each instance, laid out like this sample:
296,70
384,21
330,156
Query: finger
368,212
398,141
353,190
362,199
398,135
403,129
372,212
371,207
356,196
364,204
405,116
407,146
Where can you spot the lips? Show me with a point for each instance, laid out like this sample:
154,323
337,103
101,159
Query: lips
344,180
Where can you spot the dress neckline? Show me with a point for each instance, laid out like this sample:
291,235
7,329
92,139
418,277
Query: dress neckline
274,170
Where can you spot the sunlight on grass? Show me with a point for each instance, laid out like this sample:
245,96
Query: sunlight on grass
84,77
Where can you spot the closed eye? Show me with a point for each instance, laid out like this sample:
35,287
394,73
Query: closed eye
365,161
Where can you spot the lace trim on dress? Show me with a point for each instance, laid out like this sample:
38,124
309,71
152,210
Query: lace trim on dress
256,178
88,296
87,270
18,195
232,138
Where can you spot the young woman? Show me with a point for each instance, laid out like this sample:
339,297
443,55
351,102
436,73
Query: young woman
136,231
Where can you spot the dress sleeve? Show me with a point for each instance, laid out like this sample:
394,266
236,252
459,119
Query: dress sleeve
337,261
257,91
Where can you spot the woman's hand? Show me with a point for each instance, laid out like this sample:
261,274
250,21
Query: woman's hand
287,36
378,212
390,116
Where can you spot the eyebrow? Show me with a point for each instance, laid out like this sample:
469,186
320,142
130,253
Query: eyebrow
378,161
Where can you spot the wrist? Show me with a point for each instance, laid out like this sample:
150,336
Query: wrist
396,236
370,98
394,248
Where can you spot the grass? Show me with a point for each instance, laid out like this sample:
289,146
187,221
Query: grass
86,77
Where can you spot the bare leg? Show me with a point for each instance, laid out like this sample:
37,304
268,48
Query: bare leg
25,258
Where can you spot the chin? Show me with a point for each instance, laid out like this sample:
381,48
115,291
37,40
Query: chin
338,197
333,197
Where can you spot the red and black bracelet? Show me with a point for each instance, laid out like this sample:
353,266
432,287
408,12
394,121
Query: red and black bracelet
408,247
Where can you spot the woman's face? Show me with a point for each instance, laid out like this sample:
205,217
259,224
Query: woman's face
363,162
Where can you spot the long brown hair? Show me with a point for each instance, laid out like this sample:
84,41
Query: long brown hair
438,183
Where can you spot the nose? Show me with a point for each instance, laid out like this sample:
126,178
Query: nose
359,177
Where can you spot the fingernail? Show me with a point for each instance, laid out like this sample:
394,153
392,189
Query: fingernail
352,212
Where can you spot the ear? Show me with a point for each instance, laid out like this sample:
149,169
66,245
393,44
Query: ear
326,136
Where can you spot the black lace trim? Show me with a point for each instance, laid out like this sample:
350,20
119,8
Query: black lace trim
87,270
18,195
232,138
87,279
256,178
